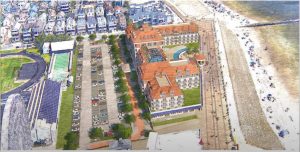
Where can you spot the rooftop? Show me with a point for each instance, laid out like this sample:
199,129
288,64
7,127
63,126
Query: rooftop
63,45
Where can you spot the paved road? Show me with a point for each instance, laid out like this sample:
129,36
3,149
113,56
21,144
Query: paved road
41,67
86,94
111,97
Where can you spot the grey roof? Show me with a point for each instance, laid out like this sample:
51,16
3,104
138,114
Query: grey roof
121,144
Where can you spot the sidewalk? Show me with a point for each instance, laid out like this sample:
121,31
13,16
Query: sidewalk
86,107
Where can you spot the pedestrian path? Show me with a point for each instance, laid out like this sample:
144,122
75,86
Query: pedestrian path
86,94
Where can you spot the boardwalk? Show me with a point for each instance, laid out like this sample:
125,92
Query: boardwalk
215,129
86,107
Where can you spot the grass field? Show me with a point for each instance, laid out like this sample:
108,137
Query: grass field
65,116
9,68
191,96
10,51
159,123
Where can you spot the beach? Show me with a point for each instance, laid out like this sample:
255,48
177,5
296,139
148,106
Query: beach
280,107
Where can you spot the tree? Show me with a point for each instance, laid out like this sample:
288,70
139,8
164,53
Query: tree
143,105
39,41
117,62
129,118
79,38
92,37
120,73
192,48
120,131
104,37
96,133
125,98
72,141
126,107
146,115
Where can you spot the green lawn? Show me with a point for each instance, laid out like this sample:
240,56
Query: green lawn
171,46
9,68
159,123
191,96
10,51
65,116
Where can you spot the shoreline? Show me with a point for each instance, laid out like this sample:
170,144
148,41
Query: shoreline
272,37
286,107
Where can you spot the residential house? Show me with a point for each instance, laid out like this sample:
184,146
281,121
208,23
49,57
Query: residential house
71,25
49,28
27,34
22,18
16,33
121,21
90,12
99,11
60,27
81,26
111,23
63,5
61,16
38,28
91,24
80,14
51,15
101,24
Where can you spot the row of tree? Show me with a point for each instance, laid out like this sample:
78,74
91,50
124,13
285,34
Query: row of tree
120,130
142,101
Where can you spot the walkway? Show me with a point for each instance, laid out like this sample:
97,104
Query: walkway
86,107
215,124
111,97
139,123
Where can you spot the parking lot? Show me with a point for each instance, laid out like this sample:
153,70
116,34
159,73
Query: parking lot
77,91
99,103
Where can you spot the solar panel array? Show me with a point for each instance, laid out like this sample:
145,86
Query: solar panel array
27,71
50,101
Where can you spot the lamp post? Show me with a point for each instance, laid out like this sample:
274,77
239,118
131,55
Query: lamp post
200,61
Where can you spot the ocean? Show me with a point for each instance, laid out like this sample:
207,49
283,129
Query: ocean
282,40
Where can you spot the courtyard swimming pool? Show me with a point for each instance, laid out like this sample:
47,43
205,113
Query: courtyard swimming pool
176,55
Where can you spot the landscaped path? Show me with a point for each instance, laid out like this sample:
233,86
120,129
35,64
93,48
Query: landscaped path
86,94
111,97
139,123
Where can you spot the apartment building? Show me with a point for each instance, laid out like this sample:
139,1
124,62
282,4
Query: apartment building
163,35
152,12
49,28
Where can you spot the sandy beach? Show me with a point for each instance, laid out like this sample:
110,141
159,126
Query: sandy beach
280,108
